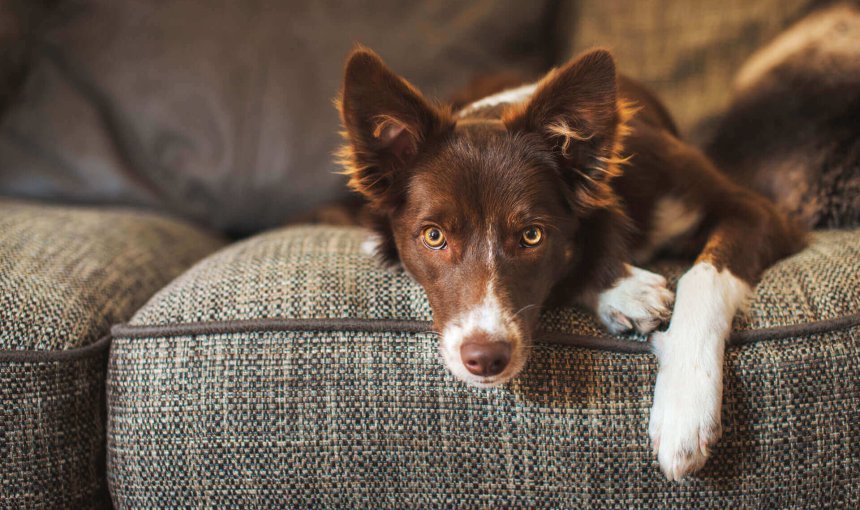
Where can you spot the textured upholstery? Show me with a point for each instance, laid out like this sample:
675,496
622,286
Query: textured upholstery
223,392
52,431
321,272
67,274
687,51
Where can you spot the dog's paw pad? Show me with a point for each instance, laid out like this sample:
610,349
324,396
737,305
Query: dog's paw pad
639,302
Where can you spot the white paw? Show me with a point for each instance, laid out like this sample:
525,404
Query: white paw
640,301
685,417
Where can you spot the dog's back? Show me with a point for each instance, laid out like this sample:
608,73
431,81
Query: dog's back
793,130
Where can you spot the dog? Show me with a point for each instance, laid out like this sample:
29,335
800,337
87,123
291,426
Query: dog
553,193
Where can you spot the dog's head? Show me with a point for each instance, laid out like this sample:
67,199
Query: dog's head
483,212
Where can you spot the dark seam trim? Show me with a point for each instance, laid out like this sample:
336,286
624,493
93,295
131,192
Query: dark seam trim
605,343
782,332
45,356
250,325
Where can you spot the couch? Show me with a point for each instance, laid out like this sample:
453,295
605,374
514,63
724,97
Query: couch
169,337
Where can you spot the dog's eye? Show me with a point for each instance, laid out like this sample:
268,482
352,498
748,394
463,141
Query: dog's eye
532,236
433,238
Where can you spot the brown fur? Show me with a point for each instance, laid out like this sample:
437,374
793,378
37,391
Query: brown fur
586,158
606,193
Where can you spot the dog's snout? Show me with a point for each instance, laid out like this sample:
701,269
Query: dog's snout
485,357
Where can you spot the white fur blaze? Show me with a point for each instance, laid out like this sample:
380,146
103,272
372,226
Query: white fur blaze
489,317
685,416
639,301
370,245
510,96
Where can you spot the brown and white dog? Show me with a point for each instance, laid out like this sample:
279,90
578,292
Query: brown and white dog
550,193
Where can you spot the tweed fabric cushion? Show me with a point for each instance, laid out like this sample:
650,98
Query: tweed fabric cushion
323,388
321,272
67,274
351,419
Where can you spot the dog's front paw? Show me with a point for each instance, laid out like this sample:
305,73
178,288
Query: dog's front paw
685,417
640,301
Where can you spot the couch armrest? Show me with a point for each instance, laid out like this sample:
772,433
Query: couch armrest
67,274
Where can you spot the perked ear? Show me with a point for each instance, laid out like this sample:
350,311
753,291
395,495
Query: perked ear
576,110
386,121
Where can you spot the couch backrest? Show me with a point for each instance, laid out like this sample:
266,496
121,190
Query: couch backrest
221,111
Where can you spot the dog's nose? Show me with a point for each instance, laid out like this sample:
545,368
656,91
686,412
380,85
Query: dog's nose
485,358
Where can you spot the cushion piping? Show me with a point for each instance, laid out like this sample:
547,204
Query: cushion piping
602,343
48,356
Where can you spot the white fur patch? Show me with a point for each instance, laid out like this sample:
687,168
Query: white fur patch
510,96
685,416
638,301
672,219
488,317
370,245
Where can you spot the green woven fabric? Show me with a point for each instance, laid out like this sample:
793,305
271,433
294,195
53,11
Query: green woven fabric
321,272
66,275
361,413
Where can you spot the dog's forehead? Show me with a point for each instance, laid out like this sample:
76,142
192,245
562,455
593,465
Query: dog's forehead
490,172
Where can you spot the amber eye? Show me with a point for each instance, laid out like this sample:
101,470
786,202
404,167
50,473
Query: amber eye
532,236
433,238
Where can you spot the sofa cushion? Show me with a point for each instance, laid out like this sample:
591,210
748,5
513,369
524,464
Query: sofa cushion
185,105
21,20
291,370
322,273
66,275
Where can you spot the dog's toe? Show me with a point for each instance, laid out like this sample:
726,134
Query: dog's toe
685,452
639,302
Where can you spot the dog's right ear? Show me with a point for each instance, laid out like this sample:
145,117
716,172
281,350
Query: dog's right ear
386,120
576,110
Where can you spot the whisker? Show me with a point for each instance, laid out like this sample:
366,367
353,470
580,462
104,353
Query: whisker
523,309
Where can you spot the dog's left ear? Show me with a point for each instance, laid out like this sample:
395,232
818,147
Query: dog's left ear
575,110
387,121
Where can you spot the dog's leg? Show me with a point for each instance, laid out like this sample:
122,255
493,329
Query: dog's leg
685,417
639,301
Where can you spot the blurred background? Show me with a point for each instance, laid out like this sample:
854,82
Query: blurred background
220,111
